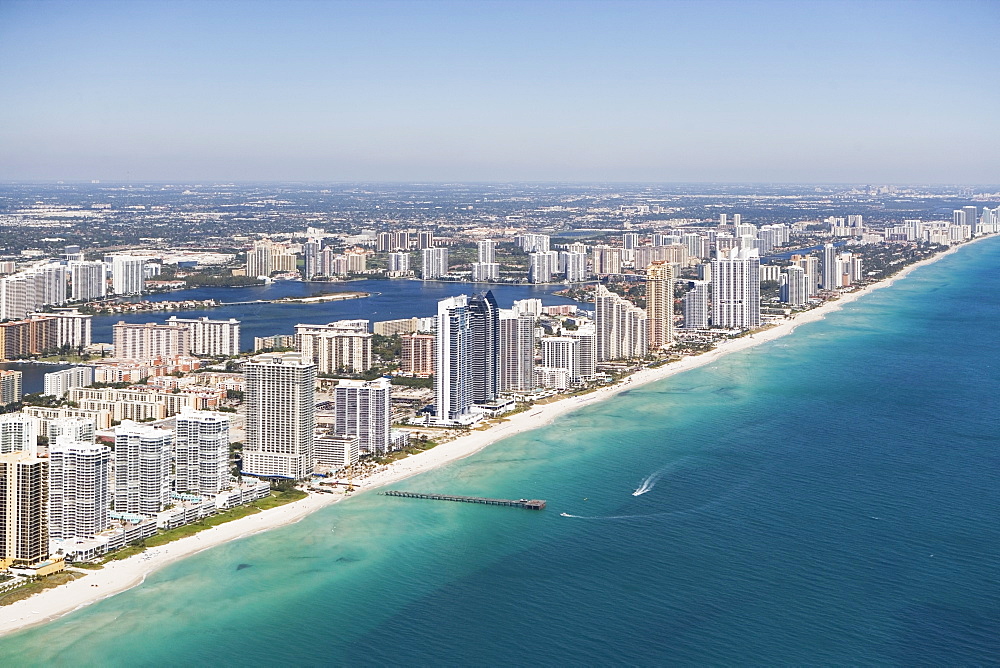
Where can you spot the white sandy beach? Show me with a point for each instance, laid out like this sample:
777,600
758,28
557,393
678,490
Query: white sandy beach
118,576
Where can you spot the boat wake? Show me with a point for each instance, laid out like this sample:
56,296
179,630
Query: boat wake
649,483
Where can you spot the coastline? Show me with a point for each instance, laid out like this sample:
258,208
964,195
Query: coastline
118,576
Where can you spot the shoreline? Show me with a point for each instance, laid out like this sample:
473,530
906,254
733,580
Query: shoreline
119,576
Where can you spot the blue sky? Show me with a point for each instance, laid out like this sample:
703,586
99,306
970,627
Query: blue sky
802,91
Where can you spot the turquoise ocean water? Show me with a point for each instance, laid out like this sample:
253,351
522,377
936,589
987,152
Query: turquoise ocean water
830,497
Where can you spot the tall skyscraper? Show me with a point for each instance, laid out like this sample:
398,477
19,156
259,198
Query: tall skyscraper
79,488
517,351
142,468
281,415
484,350
127,277
696,306
399,262
435,263
24,488
452,380
736,289
362,409
10,386
607,260
660,304
831,277
201,452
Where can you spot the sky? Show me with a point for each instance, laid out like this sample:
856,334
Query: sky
803,91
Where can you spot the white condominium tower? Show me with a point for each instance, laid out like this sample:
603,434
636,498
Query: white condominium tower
88,280
361,408
201,452
794,290
517,351
18,433
79,488
696,306
831,276
435,263
660,303
281,415
452,380
542,266
622,327
211,337
736,289
486,269
142,468
574,266
58,383
24,531
127,274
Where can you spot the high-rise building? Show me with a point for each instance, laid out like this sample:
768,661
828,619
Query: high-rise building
30,290
10,386
607,260
435,263
532,243
621,327
76,429
487,250
630,240
542,266
24,488
831,277
517,351
362,409
311,250
586,352
660,304
146,341
142,468
560,352
484,350
736,289
574,266
72,328
344,346
79,488
211,337
425,240
127,277
201,452
452,377
281,415
58,383
417,356
18,433
696,306
399,262
793,286
88,281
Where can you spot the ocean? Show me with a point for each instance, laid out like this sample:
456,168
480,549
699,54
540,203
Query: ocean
828,498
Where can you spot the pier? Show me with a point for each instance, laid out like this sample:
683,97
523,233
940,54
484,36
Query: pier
529,504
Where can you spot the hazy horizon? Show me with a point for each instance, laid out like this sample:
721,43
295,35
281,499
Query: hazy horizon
500,92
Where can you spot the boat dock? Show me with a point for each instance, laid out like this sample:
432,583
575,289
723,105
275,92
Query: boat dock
529,504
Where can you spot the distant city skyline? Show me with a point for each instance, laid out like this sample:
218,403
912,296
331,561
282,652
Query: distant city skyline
816,92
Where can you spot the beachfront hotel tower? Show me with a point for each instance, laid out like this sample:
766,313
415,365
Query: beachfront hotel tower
452,377
736,289
201,452
484,351
660,303
79,488
281,416
696,306
24,531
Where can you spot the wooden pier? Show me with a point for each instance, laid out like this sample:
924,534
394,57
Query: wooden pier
529,504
